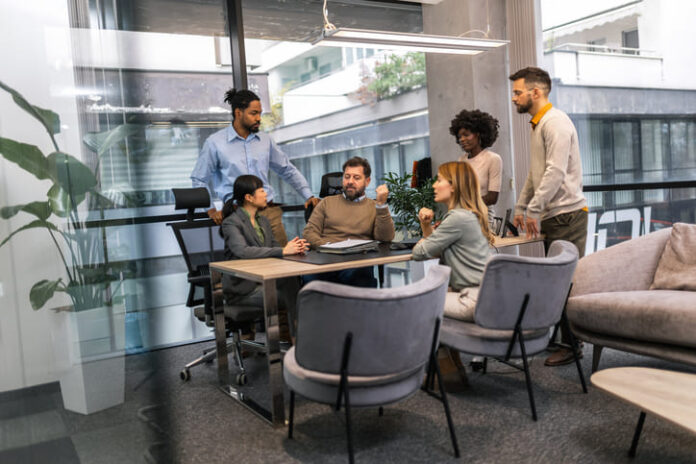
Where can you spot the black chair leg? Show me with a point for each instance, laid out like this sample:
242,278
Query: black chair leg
574,346
636,435
552,340
380,411
291,418
428,385
349,431
485,365
527,377
443,397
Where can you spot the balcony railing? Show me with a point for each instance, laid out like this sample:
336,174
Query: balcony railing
603,65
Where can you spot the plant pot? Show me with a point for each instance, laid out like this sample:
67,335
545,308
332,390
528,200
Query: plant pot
90,358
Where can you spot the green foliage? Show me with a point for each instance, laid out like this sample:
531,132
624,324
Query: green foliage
398,74
43,291
89,279
274,118
47,118
405,202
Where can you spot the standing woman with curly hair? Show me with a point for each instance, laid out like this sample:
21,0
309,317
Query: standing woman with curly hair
475,131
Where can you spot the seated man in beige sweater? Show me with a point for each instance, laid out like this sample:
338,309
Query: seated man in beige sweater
351,215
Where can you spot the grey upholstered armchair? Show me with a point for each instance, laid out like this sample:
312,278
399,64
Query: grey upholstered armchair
521,299
365,347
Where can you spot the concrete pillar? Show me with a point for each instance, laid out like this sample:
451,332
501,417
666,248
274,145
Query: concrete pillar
457,82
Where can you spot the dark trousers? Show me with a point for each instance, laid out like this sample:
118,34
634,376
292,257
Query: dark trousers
572,227
567,226
360,277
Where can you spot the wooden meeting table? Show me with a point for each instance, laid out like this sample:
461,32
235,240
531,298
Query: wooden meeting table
267,271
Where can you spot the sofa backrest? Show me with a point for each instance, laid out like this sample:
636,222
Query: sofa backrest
624,267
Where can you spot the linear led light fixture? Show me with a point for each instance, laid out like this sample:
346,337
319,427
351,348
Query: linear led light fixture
345,37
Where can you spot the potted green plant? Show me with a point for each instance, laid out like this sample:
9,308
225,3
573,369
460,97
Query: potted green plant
405,202
93,324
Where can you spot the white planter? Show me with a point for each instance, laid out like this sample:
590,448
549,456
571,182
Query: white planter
90,358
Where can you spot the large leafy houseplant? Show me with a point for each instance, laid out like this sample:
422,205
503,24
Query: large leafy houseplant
88,274
405,202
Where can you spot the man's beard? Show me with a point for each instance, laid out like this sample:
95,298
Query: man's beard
355,195
254,128
524,108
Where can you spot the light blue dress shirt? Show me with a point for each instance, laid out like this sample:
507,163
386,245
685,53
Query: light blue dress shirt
226,156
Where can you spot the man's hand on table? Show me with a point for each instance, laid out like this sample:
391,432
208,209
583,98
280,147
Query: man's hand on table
528,225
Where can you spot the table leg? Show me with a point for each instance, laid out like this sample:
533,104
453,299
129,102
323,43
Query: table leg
275,364
220,334
636,435
276,415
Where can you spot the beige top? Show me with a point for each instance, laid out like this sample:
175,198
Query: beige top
488,166
335,218
554,181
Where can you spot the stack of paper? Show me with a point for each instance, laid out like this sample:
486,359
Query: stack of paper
349,246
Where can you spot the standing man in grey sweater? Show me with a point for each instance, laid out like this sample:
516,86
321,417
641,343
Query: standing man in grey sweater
551,201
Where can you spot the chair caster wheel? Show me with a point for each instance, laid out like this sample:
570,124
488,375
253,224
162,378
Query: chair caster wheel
241,379
185,375
477,366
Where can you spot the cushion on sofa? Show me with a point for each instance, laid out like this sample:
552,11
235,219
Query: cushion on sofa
676,269
664,316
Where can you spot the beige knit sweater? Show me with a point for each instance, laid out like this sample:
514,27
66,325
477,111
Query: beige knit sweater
554,182
335,218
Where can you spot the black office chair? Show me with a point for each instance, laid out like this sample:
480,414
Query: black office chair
201,243
332,184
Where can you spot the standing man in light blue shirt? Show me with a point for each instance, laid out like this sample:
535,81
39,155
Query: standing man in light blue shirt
241,149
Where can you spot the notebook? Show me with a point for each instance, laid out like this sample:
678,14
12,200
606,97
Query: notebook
349,246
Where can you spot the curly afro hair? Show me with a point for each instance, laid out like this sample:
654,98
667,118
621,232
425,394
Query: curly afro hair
477,122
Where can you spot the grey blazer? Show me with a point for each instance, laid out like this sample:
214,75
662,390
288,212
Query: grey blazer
242,242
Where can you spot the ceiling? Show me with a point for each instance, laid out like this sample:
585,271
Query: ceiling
292,20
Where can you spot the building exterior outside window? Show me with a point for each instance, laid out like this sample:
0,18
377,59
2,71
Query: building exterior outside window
631,95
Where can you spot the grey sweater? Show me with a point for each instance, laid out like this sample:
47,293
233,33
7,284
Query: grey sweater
460,244
554,181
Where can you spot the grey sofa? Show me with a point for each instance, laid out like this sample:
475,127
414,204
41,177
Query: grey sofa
612,306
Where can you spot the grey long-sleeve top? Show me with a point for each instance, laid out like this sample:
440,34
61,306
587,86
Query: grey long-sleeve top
460,244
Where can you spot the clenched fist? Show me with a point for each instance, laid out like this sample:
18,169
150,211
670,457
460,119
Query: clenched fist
382,194
426,215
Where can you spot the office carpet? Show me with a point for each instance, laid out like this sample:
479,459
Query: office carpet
167,420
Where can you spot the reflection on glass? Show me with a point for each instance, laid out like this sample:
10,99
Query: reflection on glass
650,210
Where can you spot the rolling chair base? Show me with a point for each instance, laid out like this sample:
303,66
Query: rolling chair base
236,346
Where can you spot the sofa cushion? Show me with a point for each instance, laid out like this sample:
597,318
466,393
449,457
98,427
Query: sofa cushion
677,267
663,316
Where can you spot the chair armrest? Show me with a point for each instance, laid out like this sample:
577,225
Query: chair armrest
623,267
201,281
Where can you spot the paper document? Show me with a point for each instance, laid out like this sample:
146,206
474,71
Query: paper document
346,244
349,246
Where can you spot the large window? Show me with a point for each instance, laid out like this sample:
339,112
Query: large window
630,96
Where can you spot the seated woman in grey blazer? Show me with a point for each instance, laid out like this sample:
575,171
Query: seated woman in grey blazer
248,235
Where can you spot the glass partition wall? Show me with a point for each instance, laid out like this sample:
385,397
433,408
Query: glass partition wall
141,87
